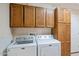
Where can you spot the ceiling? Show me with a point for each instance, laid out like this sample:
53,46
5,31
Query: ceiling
74,6
68,5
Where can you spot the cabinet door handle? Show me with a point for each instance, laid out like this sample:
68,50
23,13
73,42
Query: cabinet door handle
62,33
68,41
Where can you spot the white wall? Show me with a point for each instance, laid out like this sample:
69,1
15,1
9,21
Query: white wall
5,34
74,31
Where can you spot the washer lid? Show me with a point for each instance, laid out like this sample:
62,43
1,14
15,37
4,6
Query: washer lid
13,45
23,41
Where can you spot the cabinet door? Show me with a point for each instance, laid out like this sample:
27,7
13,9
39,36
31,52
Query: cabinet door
64,32
65,48
67,16
61,31
59,14
63,15
16,12
40,17
67,31
64,37
29,16
50,18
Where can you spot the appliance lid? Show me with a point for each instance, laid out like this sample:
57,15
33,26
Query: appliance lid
24,37
24,42
13,45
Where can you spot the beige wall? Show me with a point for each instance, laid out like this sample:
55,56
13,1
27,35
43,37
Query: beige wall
23,31
4,20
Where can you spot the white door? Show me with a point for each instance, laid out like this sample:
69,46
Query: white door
75,32
51,50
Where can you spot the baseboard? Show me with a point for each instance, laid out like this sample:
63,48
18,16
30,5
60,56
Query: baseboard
74,52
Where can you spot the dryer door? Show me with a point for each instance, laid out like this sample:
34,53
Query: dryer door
51,50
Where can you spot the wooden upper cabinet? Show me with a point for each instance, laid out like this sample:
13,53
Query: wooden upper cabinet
40,17
62,15
16,15
29,16
50,18
67,16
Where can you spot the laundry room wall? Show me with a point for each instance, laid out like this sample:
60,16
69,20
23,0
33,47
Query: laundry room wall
74,30
5,33
27,31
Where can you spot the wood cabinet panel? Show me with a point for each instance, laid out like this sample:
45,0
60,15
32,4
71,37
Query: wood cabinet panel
29,16
40,17
65,48
62,29
60,14
63,15
67,31
16,13
67,16
63,34
50,18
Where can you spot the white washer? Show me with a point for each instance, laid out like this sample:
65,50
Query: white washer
23,46
48,46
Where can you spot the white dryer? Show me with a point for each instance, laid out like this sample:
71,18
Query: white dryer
48,46
23,46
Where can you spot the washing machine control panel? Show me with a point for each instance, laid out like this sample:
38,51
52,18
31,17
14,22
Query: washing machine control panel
24,38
